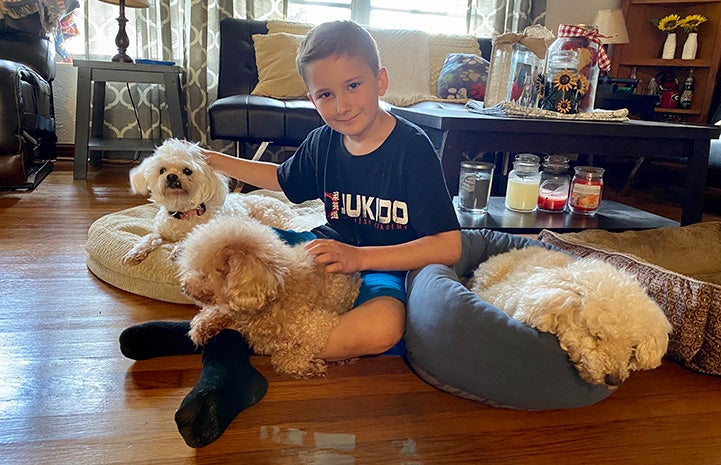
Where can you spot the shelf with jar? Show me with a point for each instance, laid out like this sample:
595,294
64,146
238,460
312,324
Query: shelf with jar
643,54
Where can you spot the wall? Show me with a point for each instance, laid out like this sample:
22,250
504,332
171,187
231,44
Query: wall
574,11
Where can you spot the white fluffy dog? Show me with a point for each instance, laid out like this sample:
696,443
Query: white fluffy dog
601,315
244,277
189,193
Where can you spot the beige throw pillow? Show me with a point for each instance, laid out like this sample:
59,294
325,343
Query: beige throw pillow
290,27
278,76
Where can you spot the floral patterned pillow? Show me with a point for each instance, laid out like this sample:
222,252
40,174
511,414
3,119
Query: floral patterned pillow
463,76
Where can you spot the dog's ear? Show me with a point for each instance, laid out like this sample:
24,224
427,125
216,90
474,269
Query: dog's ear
649,352
252,281
214,189
139,180
553,307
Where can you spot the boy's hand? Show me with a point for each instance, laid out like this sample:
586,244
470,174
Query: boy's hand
336,256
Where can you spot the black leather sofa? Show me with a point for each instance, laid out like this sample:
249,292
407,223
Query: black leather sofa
240,117
27,124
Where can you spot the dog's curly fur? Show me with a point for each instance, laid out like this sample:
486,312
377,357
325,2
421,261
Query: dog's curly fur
601,315
244,277
177,177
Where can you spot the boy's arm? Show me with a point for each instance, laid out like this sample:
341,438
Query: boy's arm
257,173
443,248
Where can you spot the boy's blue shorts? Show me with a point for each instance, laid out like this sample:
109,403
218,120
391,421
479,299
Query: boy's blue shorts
374,283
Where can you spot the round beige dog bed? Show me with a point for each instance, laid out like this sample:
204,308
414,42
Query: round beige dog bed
113,235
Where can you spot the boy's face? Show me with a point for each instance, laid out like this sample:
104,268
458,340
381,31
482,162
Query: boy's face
345,92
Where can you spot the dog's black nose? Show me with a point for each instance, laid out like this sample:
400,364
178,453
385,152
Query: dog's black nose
612,380
172,181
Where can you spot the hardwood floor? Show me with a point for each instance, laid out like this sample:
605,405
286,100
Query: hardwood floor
67,395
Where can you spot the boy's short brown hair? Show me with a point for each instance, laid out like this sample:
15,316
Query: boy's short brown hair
337,38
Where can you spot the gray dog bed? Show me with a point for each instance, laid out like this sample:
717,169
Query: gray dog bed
463,345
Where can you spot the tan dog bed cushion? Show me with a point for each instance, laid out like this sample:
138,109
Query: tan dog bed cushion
112,236
680,269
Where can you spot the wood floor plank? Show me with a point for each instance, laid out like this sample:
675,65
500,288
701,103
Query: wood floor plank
68,396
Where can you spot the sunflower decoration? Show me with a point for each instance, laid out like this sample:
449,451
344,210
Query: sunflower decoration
564,105
565,80
563,93
540,83
691,22
583,84
668,23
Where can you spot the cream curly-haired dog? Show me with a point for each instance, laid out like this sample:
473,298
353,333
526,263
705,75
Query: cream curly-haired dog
189,192
244,277
601,315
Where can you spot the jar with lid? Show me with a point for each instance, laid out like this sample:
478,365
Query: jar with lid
555,183
523,183
582,41
586,190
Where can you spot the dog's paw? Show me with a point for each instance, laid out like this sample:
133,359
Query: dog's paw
199,335
175,253
134,257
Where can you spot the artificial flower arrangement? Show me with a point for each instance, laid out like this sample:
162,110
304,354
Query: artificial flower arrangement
668,23
691,22
671,22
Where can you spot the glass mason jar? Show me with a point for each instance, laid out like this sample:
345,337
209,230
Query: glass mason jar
526,67
523,183
474,186
586,190
586,54
555,183
561,80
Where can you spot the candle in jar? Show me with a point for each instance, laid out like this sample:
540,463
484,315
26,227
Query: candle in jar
586,190
522,196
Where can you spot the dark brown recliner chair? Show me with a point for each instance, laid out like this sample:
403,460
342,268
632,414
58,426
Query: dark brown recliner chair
27,122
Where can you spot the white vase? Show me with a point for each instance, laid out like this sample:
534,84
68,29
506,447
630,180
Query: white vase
690,47
669,47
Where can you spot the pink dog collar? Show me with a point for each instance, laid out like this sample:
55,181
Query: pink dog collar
189,214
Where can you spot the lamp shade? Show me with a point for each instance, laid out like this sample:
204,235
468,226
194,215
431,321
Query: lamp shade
129,3
611,23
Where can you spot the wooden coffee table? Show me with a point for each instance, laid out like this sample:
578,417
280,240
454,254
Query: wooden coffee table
454,130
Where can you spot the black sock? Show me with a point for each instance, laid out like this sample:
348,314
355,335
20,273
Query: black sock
157,339
227,385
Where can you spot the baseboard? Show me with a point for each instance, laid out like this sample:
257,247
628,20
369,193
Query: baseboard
65,150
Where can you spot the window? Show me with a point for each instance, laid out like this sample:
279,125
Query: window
427,15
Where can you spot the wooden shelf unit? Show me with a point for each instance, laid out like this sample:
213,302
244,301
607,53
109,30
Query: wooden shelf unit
646,41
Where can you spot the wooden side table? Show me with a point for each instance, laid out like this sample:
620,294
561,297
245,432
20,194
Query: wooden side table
90,107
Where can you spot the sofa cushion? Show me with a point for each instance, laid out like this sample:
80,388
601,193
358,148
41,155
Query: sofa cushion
278,75
253,118
463,76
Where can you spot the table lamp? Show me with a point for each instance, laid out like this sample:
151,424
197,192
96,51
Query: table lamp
611,24
121,40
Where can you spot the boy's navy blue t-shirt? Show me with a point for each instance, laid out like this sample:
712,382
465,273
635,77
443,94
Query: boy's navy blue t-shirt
392,195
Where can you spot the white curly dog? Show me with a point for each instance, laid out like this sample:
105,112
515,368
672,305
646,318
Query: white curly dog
601,315
178,178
